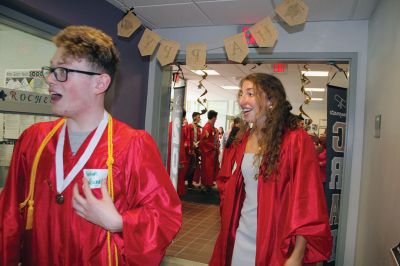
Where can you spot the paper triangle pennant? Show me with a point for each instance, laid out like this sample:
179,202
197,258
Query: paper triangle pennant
196,55
264,32
148,42
167,52
293,12
236,47
128,25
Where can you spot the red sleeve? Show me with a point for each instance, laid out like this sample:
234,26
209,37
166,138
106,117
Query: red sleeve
226,166
154,216
307,213
11,220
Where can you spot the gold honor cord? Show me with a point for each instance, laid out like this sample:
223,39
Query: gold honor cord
29,198
201,86
305,81
110,161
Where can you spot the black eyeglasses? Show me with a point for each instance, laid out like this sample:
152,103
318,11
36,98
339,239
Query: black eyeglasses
61,73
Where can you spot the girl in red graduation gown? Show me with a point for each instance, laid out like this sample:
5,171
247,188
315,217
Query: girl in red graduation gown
273,210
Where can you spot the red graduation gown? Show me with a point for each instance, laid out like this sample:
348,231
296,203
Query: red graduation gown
192,150
144,196
209,154
225,171
290,203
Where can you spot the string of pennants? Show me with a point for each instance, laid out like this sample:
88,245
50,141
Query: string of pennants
292,12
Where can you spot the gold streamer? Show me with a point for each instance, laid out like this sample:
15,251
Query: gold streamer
305,81
200,87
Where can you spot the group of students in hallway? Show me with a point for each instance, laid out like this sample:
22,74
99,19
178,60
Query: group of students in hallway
200,152
88,189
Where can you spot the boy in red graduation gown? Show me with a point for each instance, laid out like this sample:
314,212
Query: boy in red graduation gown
209,148
192,142
104,199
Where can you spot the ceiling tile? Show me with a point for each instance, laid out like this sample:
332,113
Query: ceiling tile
187,13
174,15
238,12
324,10
136,3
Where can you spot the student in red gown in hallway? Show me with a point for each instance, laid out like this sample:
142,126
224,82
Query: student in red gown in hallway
209,148
85,189
193,134
274,211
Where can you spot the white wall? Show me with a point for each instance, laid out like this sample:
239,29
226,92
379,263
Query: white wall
315,37
379,216
20,50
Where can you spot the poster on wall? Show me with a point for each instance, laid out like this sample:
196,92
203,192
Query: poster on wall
25,80
336,132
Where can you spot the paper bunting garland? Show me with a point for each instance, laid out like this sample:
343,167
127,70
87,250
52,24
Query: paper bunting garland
293,12
128,25
305,81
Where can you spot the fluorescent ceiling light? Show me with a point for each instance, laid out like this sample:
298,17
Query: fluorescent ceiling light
230,87
209,72
315,73
315,89
317,99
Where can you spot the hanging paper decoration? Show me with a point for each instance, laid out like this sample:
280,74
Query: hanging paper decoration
128,25
196,55
236,47
148,42
293,12
305,81
264,32
167,52
202,102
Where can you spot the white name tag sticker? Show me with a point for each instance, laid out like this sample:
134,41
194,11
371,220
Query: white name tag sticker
95,177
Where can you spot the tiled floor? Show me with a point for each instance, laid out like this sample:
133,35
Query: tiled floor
195,240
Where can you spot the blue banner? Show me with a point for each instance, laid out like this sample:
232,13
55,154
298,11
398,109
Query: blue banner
335,146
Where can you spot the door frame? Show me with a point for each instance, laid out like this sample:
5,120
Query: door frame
156,118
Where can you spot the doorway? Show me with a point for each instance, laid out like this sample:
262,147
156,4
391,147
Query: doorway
349,59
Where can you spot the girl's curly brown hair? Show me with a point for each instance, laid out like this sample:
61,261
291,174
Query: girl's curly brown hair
277,120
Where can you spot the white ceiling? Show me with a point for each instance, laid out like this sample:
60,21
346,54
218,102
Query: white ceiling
191,13
231,75
157,14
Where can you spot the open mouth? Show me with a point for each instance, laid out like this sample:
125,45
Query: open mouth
246,111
